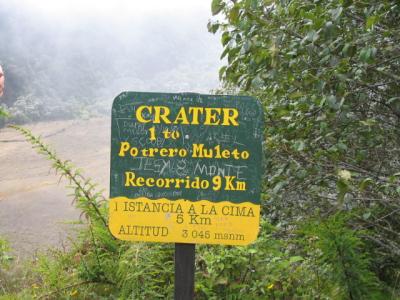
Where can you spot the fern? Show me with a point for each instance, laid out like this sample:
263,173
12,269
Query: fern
344,251
93,205
87,199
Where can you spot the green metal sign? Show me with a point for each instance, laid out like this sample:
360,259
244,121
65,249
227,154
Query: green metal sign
185,168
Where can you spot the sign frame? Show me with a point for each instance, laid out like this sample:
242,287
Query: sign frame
152,169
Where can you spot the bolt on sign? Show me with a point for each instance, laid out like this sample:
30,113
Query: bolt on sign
185,168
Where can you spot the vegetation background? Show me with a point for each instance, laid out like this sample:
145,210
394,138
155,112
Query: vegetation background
327,73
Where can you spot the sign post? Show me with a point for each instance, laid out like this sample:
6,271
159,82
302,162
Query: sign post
184,271
185,169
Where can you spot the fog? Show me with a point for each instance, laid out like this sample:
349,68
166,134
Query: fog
63,56
66,60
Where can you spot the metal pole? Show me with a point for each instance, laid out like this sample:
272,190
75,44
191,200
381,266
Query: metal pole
184,271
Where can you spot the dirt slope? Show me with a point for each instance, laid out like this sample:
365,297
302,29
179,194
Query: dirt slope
33,205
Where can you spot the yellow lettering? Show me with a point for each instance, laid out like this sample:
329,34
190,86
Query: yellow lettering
140,181
134,152
161,113
230,116
226,154
212,117
123,148
194,111
172,152
181,118
189,115
129,179
150,181
163,152
197,150
139,115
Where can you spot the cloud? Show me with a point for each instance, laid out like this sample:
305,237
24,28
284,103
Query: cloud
115,8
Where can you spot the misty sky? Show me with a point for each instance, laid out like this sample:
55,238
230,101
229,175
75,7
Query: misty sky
159,45
114,7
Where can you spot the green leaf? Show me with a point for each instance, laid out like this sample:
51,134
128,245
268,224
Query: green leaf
299,145
217,6
225,52
277,187
225,38
246,46
367,54
346,3
332,102
3,113
342,187
212,27
365,183
296,95
335,13
393,99
312,36
251,4
349,50
234,14
366,215
368,122
371,21
222,72
341,146
301,174
295,259
222,281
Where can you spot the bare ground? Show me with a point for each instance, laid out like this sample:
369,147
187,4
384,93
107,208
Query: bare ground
34,206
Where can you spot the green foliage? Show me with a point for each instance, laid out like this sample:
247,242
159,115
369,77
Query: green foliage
342,249
326,73
5,257
217,6
98,266
146,272
14,275
96,253
267,269
324,259
3,113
